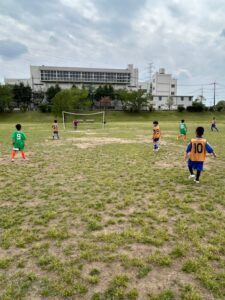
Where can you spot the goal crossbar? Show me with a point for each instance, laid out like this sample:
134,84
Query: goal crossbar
78,114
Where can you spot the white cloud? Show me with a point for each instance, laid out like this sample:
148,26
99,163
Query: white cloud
86,8
185,37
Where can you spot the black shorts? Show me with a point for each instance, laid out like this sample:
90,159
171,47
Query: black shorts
155,140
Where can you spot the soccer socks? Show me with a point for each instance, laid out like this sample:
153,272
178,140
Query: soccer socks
13,154
198,175
192,174
191,170
155,147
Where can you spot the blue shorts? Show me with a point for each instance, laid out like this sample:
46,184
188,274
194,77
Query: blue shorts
196,165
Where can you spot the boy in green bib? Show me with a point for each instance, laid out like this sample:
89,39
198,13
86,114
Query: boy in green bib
18,141
183,130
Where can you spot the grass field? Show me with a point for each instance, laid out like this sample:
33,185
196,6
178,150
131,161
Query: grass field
98,215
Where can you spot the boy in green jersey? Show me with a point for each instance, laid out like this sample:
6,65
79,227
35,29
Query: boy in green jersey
18,141
183,130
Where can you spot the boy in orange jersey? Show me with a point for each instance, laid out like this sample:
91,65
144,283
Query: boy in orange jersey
197,153
156,135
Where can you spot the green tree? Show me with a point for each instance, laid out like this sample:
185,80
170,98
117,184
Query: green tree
22,95
6,97
125,97
80,99
133,100
62,102
105,91
180,108
99,93
220,106
91,94
196,106
111,92
70,100
170,102
52,91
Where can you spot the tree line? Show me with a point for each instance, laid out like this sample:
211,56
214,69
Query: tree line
15,96
85,98
56,100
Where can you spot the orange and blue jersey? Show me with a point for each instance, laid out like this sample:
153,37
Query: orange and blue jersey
55,127
197,149
156,132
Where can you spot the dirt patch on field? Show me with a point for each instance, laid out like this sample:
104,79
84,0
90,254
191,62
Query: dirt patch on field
169,164
18,160
91,142
84,142
161,278
107,272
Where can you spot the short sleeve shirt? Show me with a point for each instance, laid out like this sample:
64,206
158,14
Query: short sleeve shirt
18,137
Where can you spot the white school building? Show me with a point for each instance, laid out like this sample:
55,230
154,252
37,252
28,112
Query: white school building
42,77
164,92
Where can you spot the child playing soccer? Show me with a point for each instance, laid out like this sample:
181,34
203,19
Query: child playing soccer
213,124
18,141
183,130
197,153
75,123
55,130
156,135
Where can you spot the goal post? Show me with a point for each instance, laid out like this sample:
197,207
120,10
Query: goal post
84,118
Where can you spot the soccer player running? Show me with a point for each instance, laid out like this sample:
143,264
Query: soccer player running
183,130
156,135
18,141
55,130
196,151
213,124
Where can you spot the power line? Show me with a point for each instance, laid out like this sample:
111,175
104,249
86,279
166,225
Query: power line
196,84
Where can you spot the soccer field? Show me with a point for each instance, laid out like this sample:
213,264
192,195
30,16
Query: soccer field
98,215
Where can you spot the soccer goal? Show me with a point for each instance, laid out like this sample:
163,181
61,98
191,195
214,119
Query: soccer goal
83,121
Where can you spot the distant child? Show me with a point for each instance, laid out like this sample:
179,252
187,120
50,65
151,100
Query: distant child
18,141
55,130
183,130
196,151
75,123
156,135
213,124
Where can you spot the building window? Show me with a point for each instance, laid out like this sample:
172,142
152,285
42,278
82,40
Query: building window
172,85
182,98
160,98
172,93
190,98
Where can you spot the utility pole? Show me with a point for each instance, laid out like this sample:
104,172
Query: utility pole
202,94
150,68
214,94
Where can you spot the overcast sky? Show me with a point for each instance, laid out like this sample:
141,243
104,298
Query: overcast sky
185,37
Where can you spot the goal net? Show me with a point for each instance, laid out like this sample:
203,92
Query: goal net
83,121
